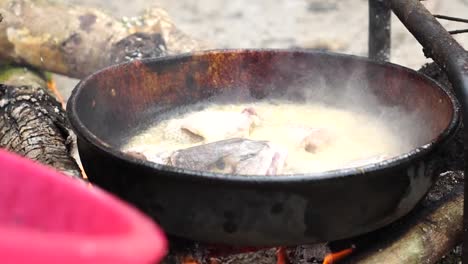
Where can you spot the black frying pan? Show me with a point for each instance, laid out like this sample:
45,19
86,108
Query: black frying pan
115,103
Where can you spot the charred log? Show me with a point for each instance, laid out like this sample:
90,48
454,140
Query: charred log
138,46
33,124
76,41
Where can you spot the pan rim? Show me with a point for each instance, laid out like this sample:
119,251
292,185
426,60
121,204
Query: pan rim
178,173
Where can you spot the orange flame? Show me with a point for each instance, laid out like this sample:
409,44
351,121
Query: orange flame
337,256
281,256
53,88
189,260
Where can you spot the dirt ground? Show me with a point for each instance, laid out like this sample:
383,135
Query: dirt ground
339,24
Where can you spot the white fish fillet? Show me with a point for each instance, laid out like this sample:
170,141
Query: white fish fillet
210,126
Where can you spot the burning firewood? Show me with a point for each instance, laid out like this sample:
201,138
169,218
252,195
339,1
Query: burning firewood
76,41
33,122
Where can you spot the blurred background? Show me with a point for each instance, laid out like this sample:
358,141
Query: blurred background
337,25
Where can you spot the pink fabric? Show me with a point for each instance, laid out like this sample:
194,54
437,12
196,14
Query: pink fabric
46,217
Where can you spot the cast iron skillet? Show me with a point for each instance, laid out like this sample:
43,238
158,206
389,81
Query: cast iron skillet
113,104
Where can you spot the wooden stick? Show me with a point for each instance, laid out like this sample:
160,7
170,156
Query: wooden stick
76,41
33,122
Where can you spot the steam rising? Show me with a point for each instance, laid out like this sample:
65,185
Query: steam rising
357,97
353,94
344,98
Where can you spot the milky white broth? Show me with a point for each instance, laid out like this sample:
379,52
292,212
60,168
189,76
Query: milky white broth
355,136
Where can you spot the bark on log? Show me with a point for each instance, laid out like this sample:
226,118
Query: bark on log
438,230
33,122
76,41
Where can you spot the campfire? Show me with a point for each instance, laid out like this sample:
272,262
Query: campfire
195,253
33,121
